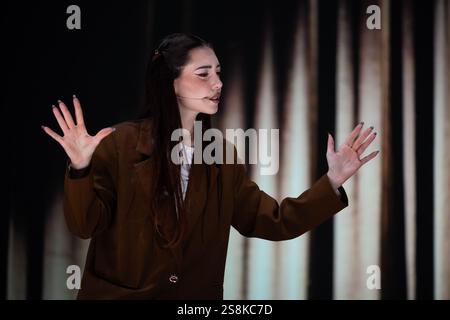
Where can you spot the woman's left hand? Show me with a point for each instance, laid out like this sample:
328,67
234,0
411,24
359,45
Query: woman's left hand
346,161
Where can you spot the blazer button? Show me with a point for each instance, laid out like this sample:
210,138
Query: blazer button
173,278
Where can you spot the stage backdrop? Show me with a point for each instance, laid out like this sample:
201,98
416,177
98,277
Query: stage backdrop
306,67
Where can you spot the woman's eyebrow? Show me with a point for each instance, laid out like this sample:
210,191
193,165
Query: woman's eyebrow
207,67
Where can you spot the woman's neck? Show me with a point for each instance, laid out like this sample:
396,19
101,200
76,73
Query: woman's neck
187,122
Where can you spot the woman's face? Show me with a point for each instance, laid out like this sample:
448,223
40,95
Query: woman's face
198,87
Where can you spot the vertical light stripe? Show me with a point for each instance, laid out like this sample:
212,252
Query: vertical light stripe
347,253
368,203
57,254
61,249
234,118
79,252
409,150
295,168
17,262
441,155
261,271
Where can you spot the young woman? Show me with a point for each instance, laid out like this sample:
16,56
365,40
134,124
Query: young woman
160,230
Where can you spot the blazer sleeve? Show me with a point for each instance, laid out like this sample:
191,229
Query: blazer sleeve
256,214
90,200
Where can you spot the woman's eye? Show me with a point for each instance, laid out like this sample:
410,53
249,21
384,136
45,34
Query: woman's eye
204,75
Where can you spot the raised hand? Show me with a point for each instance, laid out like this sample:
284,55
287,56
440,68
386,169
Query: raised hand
76,141
344,162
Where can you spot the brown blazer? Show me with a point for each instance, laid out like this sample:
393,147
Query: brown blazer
125,261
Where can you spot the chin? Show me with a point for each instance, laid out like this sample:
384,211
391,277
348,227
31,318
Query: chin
210,110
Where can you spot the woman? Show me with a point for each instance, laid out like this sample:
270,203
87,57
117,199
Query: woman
160,230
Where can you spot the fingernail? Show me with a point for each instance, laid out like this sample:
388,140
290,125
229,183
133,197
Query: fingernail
113,129
371,127
53,106
42,127
361,123
74,96
374,133
59,101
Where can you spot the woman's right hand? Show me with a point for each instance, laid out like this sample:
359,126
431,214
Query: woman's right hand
77,143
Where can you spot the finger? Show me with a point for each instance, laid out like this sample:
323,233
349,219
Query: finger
369,157
103,134
351,138
62,123
67,115
330,144
52,134
366,143
78,112
361,138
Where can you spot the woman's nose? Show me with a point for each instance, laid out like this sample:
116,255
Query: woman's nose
217,85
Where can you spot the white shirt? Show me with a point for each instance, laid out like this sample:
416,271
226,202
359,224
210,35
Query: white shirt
186,153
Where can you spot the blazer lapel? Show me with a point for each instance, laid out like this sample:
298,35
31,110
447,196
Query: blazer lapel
196,193
145,170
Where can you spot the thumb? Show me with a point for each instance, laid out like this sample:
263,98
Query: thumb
330,147
104,133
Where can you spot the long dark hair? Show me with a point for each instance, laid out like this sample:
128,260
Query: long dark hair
165,65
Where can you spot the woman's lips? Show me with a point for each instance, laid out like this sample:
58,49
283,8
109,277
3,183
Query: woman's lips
215,99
